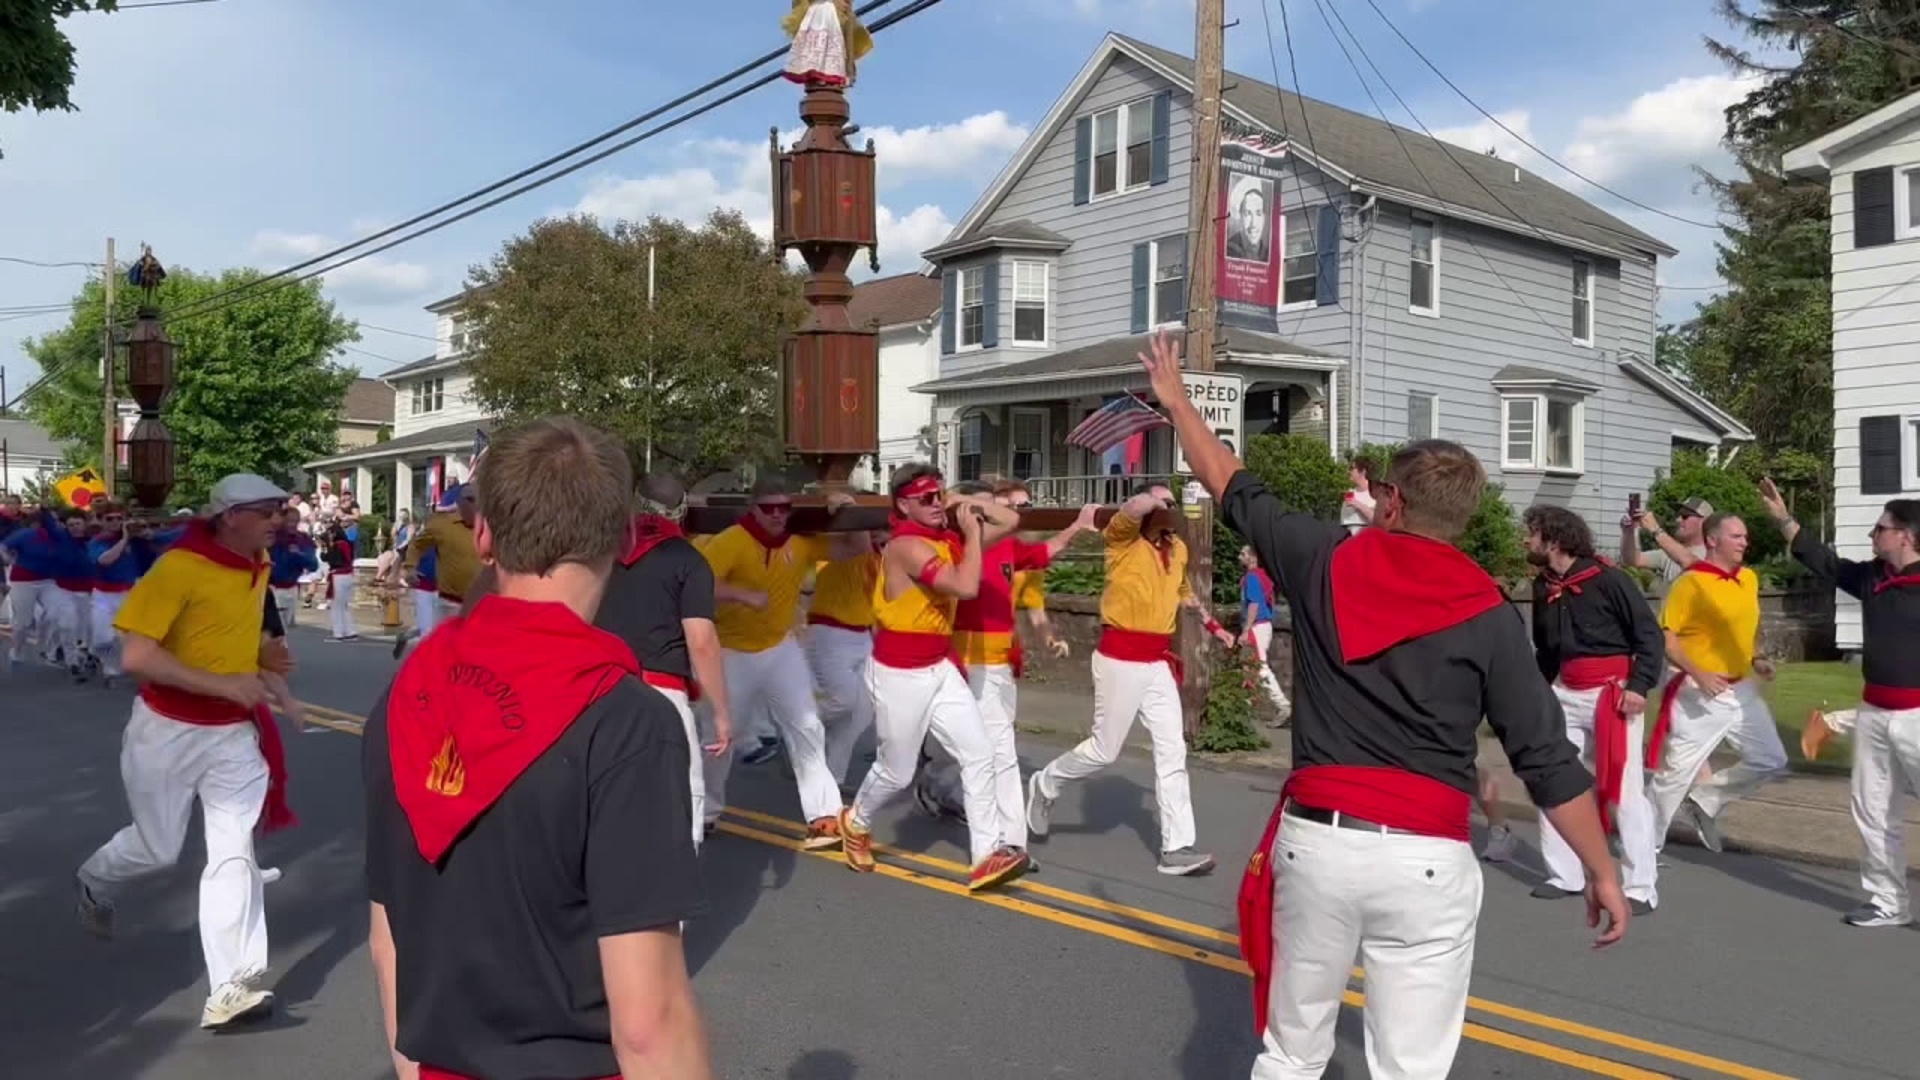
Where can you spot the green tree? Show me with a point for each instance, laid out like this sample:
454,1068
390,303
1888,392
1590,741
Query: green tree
256,388
1492,537
564,325
36,56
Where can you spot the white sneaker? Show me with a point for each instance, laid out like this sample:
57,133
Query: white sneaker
1499,845
1869,916
1039,808
235,1002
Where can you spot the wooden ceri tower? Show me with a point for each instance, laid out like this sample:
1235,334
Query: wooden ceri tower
823,207
149,380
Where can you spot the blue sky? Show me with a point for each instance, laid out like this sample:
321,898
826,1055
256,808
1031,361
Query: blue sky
261,131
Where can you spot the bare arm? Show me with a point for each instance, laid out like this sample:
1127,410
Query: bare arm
703,649
1630,543
147,661
911,557
1212,463
112,554
380,944
1000,521
657,1033
1084,523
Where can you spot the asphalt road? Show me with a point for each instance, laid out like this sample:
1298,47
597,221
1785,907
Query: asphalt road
1097,967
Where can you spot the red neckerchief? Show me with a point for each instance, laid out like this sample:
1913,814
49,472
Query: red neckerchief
1391,587
647,532
1892,579
1558,585
275,813
1702,566
198,539
481,699
908,527
761,536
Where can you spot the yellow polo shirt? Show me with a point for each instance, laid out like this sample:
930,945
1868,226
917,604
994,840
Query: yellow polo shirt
738,560
1715,619
1144,584
207,616
843,591
459,559
1029,590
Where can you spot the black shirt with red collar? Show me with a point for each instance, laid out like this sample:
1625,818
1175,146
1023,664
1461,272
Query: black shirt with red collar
648,600
1415,704
1596,610
1889,611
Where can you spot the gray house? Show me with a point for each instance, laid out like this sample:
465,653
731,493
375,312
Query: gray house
1426,290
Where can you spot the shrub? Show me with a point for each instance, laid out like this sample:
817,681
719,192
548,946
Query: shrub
1077,577
1492,537
1231,696
1729,489
1300,472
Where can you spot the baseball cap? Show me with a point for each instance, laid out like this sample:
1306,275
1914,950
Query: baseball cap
241,489
1696,508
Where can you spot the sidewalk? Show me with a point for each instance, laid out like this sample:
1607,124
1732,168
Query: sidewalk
1804,817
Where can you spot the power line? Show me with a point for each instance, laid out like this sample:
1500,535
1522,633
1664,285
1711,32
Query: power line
1523,140
403,333
48,265
523,173
164,3
1300,100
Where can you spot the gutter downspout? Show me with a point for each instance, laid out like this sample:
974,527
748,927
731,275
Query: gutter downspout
1357,328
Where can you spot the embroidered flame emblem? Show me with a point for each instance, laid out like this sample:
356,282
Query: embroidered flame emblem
448,774
1253,864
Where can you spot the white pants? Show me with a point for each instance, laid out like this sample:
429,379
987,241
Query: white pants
106,640
164,764
696,772
839,661
910,703
288,601
1262,645
777,680
1633,819
1124,690
340,611
76,621
1740,716
28,599
997,693
1886,769
426,611
713,770
1407,907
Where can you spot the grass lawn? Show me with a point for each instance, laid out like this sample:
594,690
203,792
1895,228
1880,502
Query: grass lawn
1795,691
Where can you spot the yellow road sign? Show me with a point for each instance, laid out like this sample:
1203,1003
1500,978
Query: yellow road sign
81,488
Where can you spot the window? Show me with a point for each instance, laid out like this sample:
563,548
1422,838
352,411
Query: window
973,309
1027,457
1301,272
1423,282
1582,302
1029,303
968,465
457,335
429,396
1123,148
1423,415
1540,431
1906,204
1169,293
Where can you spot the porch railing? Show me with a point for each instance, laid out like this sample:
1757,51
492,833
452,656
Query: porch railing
1081,490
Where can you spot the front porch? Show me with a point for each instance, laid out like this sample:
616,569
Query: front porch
403,472
1013,419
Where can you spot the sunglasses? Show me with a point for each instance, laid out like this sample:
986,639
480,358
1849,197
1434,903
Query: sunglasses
931,498
774,507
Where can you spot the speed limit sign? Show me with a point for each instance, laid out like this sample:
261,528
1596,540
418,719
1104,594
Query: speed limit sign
1218,398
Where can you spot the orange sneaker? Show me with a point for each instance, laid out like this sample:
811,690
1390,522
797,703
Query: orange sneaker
856,843
999,868
822,835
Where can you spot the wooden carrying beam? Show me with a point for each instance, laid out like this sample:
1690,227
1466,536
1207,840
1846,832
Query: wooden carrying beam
866,514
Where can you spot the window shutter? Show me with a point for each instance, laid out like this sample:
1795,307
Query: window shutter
949,310
1162,129
1082,160
1880,455
990,305
1327,287
1873,208
1142,281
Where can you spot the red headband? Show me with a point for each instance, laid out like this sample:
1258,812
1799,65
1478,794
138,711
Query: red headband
922,485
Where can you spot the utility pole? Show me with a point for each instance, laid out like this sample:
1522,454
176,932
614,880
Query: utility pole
651,404
1203,195
110,438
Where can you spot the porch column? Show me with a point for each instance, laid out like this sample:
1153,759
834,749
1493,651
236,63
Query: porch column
363,487
1333,413
402,487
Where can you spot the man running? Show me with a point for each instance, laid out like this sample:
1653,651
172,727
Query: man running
448,537
194,635
839,643
121,554
1712,622
1402,646
294,557
528,852
1672,552
1597,641
916,680
1135,675
1886,726
39,552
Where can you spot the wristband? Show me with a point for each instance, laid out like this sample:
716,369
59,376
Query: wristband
1213,625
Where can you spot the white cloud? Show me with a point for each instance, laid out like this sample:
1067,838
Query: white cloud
986,139
1486,135
370,279
276,244
1678,124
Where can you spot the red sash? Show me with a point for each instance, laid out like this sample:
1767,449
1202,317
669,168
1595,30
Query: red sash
1893,698
828,620
73,584
667,681
1139,648
1391,797
199,710
428,1072
912,651
1657,742
113,586
1608,674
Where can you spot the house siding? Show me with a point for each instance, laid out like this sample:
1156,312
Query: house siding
457,403
1876,330
909,355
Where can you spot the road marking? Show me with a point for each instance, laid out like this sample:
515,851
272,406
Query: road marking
351,724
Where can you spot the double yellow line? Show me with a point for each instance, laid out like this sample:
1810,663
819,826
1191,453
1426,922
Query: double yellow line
1137,926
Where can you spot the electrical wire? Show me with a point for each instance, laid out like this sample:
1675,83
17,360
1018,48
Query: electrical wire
530,170
1522,139
1300,100
49,265
403,333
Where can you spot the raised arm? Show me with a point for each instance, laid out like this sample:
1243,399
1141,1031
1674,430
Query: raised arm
1850,577
1084,523
916,559
1212,463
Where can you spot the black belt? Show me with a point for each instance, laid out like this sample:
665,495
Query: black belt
1340,820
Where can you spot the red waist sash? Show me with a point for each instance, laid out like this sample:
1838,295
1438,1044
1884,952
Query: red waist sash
828,620
1657,742
73,584
113,586
23,576
1892,698
1392,797
909,650
668,681
1138,648
425,585
1608,674
200,710
428,1072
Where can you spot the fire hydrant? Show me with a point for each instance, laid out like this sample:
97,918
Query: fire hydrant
390,610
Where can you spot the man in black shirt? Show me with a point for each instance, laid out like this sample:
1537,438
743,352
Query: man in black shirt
1401,646
1600,646
1886,727
528,838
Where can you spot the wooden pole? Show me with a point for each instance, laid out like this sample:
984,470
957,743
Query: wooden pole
1203,196
110,441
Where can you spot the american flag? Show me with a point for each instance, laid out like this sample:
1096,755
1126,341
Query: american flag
1116,422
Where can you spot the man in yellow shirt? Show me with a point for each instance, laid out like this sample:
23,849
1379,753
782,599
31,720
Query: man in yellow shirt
758,567
448,536
839,641
1134,675
1712,620
193,634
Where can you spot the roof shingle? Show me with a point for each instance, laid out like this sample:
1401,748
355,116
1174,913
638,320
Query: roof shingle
368,401
891,301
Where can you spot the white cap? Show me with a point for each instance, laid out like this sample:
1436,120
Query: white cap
241,489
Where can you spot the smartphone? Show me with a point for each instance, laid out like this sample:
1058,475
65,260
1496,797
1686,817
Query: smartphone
1633,505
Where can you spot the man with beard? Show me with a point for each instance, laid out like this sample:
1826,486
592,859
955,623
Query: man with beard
1599,644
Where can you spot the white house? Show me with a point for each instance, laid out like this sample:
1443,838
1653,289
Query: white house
1872,168
28,455
906,309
